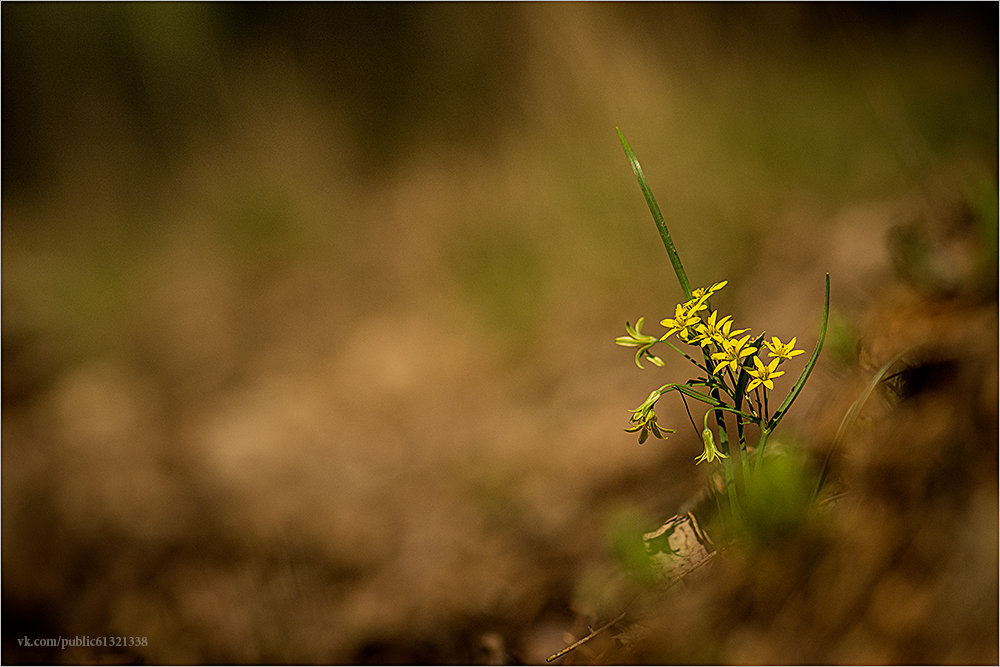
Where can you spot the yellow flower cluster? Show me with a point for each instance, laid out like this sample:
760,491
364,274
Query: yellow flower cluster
727,352
732,349
687,322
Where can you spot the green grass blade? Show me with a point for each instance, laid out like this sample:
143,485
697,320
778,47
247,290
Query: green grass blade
793,394
852,415
661,225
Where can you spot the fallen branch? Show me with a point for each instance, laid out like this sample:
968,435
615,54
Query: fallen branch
580,642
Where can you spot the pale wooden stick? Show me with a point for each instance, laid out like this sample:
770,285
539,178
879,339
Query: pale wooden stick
581,642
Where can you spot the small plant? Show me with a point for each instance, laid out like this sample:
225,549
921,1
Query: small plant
736,371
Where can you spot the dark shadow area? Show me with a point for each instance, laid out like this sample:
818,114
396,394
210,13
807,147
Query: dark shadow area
308,321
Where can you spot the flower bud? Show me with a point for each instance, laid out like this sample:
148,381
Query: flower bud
710,453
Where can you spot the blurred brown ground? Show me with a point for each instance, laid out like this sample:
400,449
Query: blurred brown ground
308,321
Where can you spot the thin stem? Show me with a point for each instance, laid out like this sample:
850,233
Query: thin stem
761,444
732,379
740,432
740,456
734,507
690,416
756,404
727,463
714,403
686,356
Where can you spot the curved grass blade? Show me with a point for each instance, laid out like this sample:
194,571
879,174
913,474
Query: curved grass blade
712,401
852,415
797,387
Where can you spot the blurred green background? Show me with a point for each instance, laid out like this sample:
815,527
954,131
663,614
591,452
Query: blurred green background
309,309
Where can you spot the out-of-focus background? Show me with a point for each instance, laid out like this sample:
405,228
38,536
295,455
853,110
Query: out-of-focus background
309,309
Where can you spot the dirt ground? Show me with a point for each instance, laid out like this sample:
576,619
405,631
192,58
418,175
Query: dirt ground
308,323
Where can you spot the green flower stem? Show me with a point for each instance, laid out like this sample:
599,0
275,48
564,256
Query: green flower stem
729,467
687,356
741,387
761,444
740,458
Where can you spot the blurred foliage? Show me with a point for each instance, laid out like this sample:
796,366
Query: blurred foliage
779,497
308,309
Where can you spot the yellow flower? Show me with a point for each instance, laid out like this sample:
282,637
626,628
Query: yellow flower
781,352
685,319
643,342
705,292
732,353
700,297
710,453
763,375
644,419
716,332
644,424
